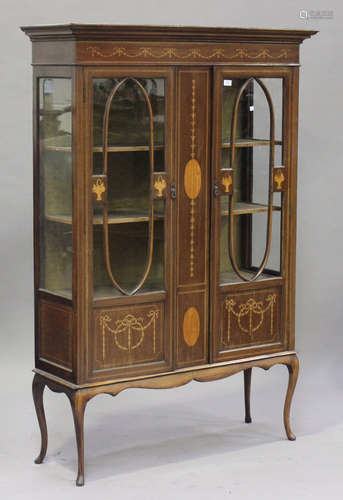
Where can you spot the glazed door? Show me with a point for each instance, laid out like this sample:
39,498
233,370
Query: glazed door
133,190
250,212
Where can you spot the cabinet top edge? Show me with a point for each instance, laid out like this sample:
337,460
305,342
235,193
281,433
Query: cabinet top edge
117,32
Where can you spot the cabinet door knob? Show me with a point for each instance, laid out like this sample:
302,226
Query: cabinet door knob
173,191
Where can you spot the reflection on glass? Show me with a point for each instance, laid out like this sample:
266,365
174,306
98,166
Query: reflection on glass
251,177
258,241
129,185
55,169
227,273
129,119
128,254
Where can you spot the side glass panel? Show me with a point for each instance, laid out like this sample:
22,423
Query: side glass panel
128,151
55,171
251,215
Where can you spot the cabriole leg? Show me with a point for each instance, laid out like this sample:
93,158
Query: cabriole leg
78,404
293,370
38,386
247,391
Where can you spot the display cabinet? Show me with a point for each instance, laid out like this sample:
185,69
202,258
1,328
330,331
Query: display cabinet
165,171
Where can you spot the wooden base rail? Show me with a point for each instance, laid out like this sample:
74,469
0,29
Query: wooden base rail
79,397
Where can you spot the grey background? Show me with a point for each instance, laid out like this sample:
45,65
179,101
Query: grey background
188,442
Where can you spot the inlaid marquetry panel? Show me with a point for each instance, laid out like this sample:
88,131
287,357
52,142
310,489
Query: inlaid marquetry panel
192,202
191,328
160,185
129,335
55,334
225,186
99,188
192,177
250,318
192,247
204,53
280,179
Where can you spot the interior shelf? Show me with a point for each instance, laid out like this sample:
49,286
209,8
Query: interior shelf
55,112
110,149
240,143
242,208
228,277
123,149
250,142
63,292
114,218
103,292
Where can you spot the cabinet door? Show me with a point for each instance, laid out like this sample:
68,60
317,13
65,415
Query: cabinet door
131,185
250,212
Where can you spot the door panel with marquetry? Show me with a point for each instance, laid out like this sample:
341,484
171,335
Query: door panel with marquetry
132,186
192,216
250,212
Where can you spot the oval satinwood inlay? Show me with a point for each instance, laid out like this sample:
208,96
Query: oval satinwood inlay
192,179
191,326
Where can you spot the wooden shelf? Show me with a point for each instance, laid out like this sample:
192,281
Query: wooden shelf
117,218
62,292
123,149
242,208
240,143
55,112
63,219
109,291
249,143
110,149
63,149
61,142
228,277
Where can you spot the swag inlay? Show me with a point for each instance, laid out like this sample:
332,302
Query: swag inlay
254,313
191,53
129,332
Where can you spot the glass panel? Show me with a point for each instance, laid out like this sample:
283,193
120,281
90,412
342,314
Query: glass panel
260,112
258,241
55,170
230,92
129,185
129,120
251,169
227,273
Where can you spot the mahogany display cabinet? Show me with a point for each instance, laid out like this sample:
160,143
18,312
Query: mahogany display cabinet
165,172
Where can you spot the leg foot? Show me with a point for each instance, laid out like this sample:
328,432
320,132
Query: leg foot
80,480
247,390
78,404
38,386
293,370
